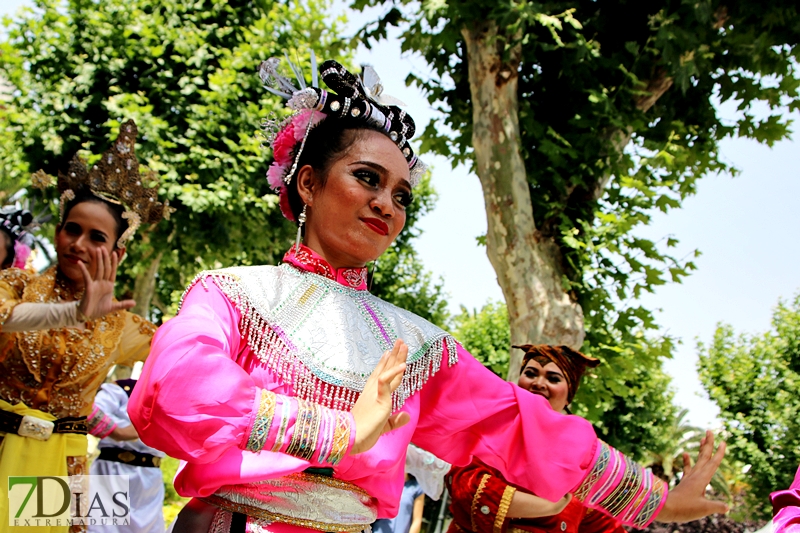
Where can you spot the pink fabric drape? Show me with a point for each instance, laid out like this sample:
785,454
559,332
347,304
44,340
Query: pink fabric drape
786,508
198,393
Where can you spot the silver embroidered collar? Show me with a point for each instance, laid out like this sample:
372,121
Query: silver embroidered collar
323,338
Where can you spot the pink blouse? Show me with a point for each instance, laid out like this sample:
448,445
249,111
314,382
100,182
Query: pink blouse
786,508
201,392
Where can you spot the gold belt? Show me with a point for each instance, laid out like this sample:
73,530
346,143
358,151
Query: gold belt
302,499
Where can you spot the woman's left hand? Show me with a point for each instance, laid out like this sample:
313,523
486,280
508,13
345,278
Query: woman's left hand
98,296
687,501
372,411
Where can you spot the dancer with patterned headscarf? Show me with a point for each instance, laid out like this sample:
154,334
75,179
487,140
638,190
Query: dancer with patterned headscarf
62,330
482,500
294,421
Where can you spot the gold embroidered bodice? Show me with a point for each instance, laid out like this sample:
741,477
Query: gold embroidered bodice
60,370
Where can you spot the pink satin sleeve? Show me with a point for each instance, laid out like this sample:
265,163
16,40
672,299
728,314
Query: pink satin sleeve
196,400
467,411
193,401
786,508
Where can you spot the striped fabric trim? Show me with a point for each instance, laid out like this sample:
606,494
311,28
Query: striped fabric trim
621,488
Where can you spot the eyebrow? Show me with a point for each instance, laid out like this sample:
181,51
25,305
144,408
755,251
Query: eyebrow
372,164
549,372
381,169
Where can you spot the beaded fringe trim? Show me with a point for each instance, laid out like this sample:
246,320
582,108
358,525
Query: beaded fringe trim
271,349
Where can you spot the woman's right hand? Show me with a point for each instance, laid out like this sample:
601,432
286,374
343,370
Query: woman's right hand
372,411
98,296
688,501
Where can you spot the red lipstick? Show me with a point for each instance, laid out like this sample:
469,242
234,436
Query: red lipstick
378,226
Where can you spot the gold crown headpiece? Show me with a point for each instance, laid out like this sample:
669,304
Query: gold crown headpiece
115,178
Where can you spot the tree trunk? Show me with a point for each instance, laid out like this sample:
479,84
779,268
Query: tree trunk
145,287
528,266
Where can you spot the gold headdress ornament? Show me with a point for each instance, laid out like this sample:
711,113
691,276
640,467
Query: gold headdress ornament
115,178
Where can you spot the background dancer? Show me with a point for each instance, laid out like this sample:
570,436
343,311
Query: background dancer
61,331
124,454
15,242
482,500
294,421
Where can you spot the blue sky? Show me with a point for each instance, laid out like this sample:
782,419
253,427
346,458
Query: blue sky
746,228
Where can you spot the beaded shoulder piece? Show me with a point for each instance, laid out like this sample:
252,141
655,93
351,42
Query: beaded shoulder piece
324,339
77,353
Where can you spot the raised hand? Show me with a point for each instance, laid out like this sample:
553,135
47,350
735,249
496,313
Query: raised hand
98,296
373,409
688,501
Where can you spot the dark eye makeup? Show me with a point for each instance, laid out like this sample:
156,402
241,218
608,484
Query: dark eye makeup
552,378
369,177
72,228
404,198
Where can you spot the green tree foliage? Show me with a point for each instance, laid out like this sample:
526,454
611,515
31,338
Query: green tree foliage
617,107
597,77
631,409
754,380
486,335
186,72
683,437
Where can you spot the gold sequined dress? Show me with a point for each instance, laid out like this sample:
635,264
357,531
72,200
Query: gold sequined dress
59,371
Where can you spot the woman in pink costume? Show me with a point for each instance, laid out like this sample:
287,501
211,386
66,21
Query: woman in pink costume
786,508
271,386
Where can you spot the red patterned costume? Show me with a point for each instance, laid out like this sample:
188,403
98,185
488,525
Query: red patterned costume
480,500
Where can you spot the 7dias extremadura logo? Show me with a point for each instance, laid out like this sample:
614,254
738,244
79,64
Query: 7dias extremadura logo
67,500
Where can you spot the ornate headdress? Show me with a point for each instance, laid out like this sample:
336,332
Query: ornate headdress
15,223
572,363
115,178
356,98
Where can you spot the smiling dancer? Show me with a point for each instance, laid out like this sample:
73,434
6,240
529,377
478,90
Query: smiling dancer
293,421
482,500
15,243
61,331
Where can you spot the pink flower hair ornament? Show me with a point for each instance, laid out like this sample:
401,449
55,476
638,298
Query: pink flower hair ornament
21,253
286,150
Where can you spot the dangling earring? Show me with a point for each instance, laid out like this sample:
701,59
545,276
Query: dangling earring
300,221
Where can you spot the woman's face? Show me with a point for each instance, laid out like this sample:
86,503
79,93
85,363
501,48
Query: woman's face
89,226
547,380
361,209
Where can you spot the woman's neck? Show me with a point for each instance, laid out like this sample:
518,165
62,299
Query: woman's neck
71,286
335,260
